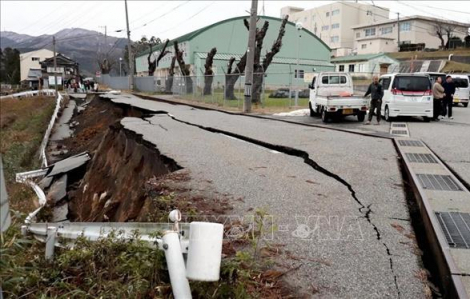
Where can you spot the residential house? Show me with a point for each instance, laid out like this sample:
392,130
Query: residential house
366,65
332,22
383,36
31,61
66,69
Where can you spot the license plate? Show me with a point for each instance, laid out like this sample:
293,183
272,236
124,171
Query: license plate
348,111
456,100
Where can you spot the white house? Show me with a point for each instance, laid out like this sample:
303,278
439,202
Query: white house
333,22
383,36
367,64
30,61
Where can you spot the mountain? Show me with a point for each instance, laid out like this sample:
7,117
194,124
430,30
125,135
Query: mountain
79,44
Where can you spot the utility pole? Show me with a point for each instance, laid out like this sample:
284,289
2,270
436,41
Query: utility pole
398,29
129,50
55,65
250,57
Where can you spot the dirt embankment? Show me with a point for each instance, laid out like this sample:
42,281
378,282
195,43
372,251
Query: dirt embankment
127,179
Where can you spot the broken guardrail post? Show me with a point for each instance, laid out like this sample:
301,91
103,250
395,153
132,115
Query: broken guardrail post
50,242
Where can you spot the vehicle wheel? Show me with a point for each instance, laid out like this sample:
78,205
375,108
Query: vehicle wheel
387,114
361,117
312,113
465,104
324,116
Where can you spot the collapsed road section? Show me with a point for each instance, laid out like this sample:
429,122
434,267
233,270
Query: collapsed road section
349,226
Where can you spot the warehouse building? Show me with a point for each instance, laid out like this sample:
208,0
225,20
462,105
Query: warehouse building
299,46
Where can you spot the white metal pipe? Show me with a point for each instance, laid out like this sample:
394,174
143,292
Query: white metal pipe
50,242
176,267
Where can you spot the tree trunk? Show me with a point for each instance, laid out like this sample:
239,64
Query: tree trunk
184,68
171,74
188,82
258,77
209,73
230,81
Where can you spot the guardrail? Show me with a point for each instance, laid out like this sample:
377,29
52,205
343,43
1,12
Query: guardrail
30,93
45,140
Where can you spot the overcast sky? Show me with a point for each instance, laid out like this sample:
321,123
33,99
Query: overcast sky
170,19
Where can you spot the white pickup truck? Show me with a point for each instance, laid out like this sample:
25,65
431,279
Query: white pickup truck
331,95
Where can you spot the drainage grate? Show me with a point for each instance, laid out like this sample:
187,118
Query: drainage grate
410,143
456,228
400,132
399,125
421,158
438,182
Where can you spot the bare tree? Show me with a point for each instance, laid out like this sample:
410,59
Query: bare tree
105,64
209,73
438,31
449,29
153,64
184,68
232,76
171,75
260,69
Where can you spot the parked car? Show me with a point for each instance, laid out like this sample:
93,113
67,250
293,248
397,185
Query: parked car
304,93
406,95
331,94
462,89
280,93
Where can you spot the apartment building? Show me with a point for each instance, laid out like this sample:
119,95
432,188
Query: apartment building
30,61
333,22
383,36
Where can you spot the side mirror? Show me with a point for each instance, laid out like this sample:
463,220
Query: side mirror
311,86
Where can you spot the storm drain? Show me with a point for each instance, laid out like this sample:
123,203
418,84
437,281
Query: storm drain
420,158
456,228
399,125
410,143
438,182
400,132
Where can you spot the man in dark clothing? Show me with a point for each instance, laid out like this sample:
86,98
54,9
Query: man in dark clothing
449,90
376,93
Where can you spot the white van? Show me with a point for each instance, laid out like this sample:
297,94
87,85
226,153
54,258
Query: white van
406,95
462,89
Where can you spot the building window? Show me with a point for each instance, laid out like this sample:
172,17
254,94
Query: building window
341,68
363,46
334,39
300,74
358,34
35,58
351,68
387,30
324,28
335,26
328,14
335,12
370,31
406,26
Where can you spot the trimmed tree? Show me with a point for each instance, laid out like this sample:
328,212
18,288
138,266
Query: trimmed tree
184,68
153,64
209,73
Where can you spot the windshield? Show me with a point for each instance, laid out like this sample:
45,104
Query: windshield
460,82
412,83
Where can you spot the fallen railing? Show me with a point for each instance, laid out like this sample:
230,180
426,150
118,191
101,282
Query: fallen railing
30,93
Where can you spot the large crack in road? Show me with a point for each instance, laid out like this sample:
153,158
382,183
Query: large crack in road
364,210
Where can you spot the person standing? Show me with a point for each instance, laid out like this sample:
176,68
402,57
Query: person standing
376,93
449,90
438,96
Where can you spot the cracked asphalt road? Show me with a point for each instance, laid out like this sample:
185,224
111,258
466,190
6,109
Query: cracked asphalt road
334,196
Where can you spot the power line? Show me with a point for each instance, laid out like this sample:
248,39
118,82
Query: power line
160,16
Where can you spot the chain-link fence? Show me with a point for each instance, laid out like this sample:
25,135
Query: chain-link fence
270,91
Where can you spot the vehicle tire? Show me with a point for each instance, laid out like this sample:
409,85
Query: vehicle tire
312,113
465,105
387,114
324,116
361,117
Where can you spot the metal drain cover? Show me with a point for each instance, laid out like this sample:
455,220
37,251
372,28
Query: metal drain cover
400,132
456,228
420,158
438,182
410,143
399,125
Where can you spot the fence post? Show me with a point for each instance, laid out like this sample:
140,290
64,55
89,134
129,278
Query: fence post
50,242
